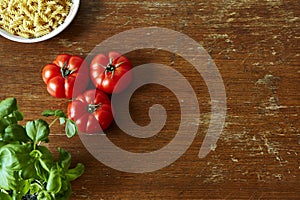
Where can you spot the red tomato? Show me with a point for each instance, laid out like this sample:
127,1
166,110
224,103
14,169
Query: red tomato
91,111
106,70
60,75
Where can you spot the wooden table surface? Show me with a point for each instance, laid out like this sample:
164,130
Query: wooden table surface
256,47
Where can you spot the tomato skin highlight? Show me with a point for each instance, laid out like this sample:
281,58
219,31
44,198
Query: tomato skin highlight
55,87
91,111
106,71
60,76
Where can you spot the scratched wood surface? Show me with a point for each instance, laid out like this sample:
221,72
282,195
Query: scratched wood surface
256,47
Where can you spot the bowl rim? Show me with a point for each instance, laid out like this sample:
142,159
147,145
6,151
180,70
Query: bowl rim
71,15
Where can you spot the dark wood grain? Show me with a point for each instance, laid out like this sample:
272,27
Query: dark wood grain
256,46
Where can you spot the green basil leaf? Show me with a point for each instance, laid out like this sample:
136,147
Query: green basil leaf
46,154
45,165
44,195
27,162
64,158
4,196
8,179
48,113
15,156
15,132
2,144
40,171
65,191
43,161
24,187
60,113
11,119
37,130
34,188
7,106
46,160
74,173
18,115
65,184
54,181
71,128
57,113
3,124
28,172
62,120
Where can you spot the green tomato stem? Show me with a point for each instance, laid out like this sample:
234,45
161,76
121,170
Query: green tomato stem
93,107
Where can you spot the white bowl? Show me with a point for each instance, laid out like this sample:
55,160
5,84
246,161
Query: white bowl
73,11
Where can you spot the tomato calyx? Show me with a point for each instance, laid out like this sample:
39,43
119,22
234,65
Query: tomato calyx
110,67
91,108
65,71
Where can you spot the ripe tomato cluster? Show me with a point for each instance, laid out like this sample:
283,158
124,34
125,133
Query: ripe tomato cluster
91,108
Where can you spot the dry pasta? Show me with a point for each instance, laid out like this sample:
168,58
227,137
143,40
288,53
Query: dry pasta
32,18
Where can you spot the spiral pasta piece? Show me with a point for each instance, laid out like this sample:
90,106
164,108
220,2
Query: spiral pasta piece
33,18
